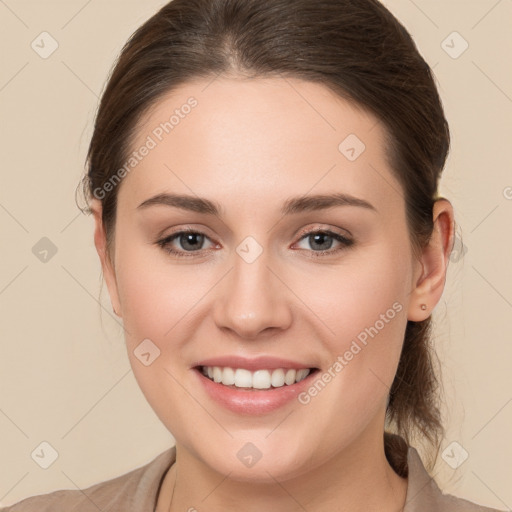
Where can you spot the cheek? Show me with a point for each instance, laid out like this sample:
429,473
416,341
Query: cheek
364,306
157,302
353,296
155,294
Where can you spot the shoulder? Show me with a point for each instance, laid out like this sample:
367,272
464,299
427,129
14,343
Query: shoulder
132,491
454,504
431,499
424,495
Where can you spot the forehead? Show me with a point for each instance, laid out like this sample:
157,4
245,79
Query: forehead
257,139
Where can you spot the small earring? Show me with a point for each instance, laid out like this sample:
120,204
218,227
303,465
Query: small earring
424,307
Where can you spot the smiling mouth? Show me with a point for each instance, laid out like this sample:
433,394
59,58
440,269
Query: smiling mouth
259,380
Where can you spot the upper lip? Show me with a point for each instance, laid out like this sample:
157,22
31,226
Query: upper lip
257,363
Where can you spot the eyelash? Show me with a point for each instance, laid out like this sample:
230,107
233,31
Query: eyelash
345,243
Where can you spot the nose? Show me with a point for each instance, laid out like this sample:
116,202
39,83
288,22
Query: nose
252,298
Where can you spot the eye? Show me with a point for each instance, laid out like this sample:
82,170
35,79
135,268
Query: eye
323,239
190,241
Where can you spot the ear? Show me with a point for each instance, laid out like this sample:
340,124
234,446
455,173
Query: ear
431,277
107,266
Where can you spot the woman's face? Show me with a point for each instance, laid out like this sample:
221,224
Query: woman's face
254,280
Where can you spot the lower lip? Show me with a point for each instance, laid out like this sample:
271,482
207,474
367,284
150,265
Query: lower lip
253,401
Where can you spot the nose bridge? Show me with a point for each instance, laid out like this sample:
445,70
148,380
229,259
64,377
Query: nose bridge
252,298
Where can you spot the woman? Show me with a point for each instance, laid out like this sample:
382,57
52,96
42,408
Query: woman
263,178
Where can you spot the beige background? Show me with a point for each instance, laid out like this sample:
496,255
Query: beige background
64,374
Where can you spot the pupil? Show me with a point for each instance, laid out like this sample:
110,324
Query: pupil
188,238
322,236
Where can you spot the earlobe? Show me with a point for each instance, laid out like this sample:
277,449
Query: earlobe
429,286
100,242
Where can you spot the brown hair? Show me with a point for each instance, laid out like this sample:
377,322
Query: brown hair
360,51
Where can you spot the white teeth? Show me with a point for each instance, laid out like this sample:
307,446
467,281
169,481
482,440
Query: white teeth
260,379
217,374
302,374
243,378
228,376
277,378
289,378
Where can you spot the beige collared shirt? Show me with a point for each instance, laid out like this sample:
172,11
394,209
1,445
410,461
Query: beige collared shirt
137,491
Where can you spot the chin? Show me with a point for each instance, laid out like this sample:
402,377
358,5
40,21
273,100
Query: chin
248,464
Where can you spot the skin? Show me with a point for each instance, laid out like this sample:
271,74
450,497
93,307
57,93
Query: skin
250,144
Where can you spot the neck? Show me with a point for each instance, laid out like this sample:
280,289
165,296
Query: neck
357,479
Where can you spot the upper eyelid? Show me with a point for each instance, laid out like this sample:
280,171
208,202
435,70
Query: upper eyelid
317,228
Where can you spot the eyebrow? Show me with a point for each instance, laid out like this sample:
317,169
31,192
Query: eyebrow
291,206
